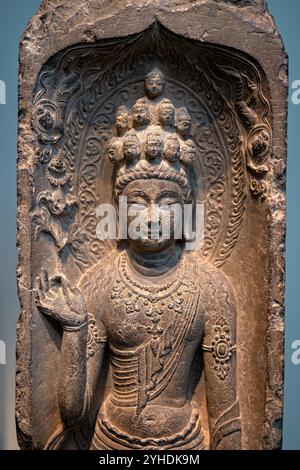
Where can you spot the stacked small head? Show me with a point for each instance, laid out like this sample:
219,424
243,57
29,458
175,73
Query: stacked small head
140,114
152,140
154,145
131,148
183,122
154,83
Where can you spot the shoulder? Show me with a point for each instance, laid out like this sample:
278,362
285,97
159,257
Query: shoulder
214,285
98,278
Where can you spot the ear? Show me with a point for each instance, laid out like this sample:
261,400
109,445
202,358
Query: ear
188,225
116,206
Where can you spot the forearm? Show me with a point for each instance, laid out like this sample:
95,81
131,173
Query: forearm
225,431
222,396
72,376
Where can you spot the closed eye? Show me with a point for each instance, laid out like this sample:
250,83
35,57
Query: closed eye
168,197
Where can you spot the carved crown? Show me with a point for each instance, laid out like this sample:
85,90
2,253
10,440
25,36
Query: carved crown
155,140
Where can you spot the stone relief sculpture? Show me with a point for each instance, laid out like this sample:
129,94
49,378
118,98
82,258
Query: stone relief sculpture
144,344
149,307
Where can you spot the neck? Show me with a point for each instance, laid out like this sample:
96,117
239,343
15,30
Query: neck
154,264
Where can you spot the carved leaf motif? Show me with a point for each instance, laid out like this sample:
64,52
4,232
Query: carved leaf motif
44,155
75,242
57,203
42,224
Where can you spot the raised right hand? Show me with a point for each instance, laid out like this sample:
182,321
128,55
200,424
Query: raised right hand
58,299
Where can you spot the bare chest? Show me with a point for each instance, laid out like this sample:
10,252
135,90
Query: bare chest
140,313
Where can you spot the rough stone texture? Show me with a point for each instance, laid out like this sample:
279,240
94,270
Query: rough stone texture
225,62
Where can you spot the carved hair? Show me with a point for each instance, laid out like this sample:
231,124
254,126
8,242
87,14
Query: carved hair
166,101
182,112
154,72
141,102
144,170
122,110
131,137
155,132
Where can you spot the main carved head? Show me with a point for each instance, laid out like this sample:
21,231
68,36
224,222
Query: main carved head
154,212
156,185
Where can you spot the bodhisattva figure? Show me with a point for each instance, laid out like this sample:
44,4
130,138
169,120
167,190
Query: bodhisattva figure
150,309
154,86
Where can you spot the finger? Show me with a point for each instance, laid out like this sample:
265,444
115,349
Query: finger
45,280
36,297
66,295
49,298
66,282
75,291
40,288
77,306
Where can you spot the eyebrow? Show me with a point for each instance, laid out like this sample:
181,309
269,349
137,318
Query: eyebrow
139,193
168,193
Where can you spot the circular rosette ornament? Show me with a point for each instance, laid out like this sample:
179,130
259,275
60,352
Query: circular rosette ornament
258,149
46,122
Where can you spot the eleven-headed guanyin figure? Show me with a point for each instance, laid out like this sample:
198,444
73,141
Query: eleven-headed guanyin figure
158,315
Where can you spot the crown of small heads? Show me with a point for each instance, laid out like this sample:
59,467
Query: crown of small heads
146,148
158,158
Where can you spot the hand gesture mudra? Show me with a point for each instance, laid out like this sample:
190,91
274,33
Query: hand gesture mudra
58,299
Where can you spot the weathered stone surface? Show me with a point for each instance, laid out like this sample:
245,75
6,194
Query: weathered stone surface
119,348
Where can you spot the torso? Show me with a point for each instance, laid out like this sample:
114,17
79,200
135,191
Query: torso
154,330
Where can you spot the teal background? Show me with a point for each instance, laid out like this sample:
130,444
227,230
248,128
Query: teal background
14,15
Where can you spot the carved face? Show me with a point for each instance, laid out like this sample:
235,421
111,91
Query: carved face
114,150
260,145
47,121
171,149
166,113
131,150
140,115
154,146
154,84
183,123
122,121
188,153
153,202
